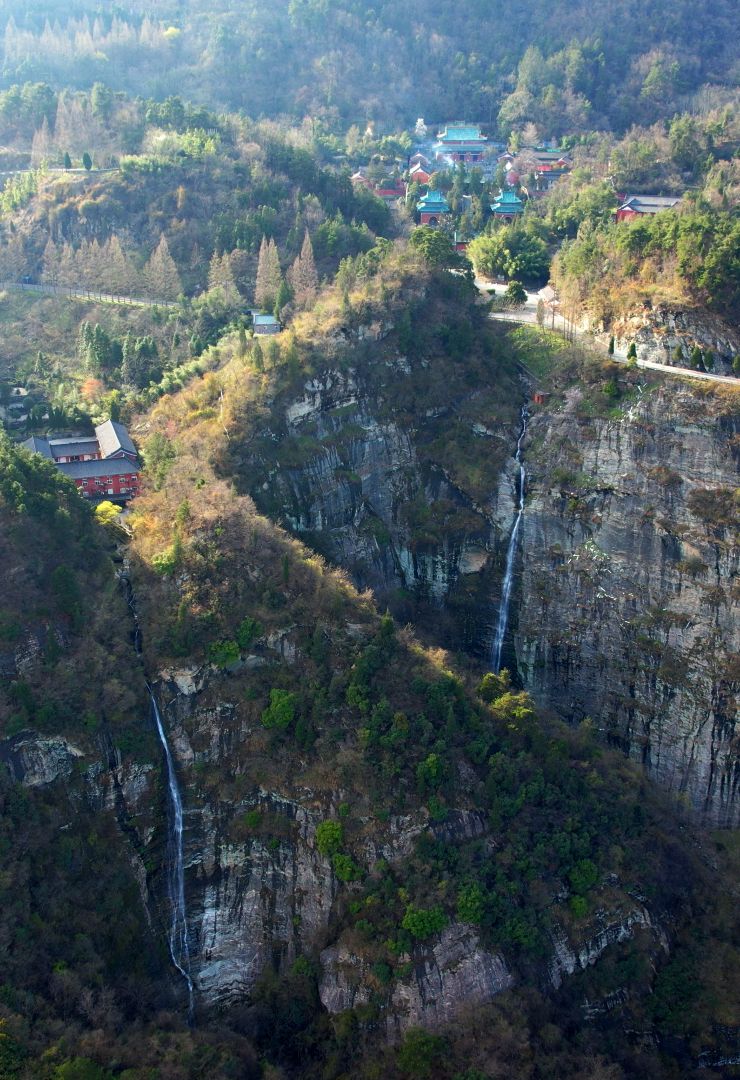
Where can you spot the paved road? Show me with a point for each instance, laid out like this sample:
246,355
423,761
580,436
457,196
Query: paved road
86,294
527,315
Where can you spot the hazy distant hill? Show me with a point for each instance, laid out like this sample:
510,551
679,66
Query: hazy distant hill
563,65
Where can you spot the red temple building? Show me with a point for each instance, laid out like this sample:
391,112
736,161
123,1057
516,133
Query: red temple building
432,207
102,466
636,205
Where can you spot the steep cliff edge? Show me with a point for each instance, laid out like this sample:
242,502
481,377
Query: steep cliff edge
373,842
349,799
628,600
382,446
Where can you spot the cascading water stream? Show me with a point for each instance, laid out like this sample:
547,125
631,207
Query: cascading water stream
178,932
177,937
503,612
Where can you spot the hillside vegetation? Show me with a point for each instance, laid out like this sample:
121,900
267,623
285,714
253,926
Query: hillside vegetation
565,67
356,707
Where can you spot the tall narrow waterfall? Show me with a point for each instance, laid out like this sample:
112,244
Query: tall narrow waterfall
178,931
503,611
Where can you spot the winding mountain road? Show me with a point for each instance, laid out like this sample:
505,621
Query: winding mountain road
526,315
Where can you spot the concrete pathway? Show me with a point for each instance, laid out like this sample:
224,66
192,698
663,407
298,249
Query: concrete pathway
526,315
74,293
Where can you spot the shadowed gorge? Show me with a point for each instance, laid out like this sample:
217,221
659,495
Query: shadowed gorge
369,533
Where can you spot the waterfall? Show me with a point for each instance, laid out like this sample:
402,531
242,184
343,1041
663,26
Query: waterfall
503,612
178,931
177,937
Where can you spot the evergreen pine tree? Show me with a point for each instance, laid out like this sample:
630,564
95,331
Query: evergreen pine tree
697,358
241,343
282,299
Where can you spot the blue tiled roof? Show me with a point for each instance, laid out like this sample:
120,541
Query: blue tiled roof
508,203
461,133
433,200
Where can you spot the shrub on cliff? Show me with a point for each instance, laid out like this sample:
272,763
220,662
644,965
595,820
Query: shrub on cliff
329,837
421,923
280,713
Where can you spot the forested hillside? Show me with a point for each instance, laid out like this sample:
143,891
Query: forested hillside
388,727
394,823
567,67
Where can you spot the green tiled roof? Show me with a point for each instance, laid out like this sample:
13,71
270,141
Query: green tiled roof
461,133
434,200
508,203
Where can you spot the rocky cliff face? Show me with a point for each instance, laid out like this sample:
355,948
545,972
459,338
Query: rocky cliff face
628,600
387,459
257,900
662,332
452,974
368,500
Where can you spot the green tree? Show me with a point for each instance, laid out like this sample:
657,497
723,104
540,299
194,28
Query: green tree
249,630
329,837
81,1069
66,591
345,868
583,876
67,160
107,513
86,161
280,713
223,654
282,299
159,454
435,246
515,294
421,1055
471,903
430,772
241,343
421,923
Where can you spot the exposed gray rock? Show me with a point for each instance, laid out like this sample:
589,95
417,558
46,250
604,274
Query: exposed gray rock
658,332
451,974
456,974
605,930
628,601
252,904
34,760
